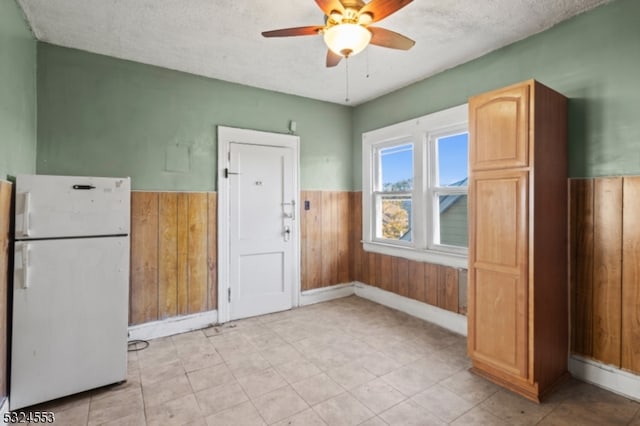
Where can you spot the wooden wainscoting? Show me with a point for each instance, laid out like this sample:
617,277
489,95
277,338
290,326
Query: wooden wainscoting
324,238
5,220
173,254
605,269
436,285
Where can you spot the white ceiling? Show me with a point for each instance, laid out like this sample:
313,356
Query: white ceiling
221,38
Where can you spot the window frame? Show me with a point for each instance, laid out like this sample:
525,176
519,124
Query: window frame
423,133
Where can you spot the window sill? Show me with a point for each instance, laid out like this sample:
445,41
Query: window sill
430,256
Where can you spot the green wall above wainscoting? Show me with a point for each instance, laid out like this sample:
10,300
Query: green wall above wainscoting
594,59
17,92
105,116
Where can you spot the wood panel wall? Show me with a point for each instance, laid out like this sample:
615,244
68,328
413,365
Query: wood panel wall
605,269
331,253
324,238
5,220
173,254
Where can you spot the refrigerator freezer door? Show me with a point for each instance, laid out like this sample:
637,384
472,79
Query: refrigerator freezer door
67,206
69,317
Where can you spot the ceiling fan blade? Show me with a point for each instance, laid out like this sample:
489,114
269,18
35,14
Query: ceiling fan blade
380,9
297,31
391,39
333,59
329,6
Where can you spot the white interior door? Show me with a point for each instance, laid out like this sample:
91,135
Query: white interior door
262,229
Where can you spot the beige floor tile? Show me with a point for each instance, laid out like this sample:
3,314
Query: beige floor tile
246,364
280,404
409,380
305,418
281,354
593,405
213,400
342,410
167,390
373,421
409,413
244,414
322,349
194,347
470,387
437,368
115,406
405,352
188,337
443,403
135,419
180,411
210,377
160,373
378,364
636,420
193,362
262,382
77,415
265,340
329,357
318,388
516,410
378,395
478,417
297,371
351,376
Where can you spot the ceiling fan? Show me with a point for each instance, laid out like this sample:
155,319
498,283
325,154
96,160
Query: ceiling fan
347,30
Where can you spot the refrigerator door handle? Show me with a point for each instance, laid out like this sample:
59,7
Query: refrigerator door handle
25,215
25,265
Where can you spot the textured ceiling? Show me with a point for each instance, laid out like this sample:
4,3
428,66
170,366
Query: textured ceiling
221,38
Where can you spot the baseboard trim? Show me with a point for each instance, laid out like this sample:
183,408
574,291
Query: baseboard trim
605,376
325,294
171,326
445,319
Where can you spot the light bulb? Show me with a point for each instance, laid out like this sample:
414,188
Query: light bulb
347,39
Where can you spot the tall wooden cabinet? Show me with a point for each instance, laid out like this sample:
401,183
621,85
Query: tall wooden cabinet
518,313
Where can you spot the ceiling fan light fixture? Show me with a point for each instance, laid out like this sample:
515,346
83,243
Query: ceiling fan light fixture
347,39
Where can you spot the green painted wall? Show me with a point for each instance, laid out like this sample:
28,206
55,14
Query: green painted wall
104,116
17,92
594,59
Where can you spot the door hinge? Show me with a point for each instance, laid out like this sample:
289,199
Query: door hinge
229,295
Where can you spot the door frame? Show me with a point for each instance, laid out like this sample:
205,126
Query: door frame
227,135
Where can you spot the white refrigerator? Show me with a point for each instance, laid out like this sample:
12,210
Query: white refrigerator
70,287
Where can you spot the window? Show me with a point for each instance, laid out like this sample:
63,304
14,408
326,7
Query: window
415,178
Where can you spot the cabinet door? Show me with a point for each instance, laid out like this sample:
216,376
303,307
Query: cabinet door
498,286
499,129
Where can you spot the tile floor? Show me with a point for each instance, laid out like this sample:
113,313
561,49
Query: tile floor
345,362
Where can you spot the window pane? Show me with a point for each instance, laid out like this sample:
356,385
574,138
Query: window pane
453,162
395,218
453,220
397,168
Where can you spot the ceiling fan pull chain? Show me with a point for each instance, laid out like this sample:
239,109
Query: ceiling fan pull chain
346,99
367,58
